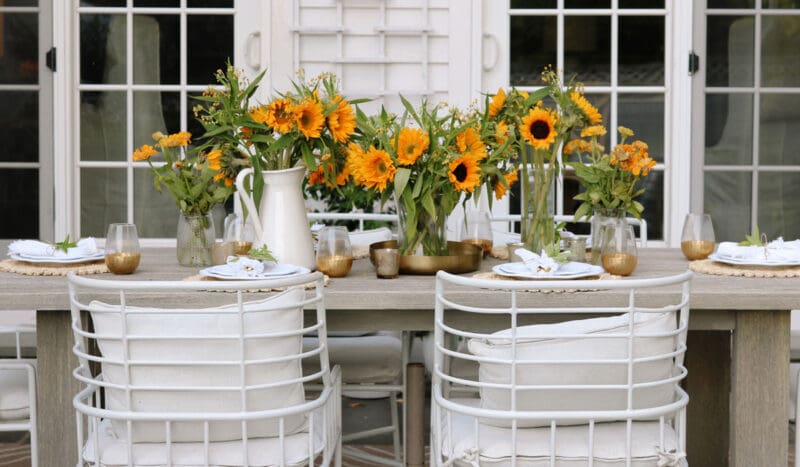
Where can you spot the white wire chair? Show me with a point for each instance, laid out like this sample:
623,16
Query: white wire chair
18,382
596,391
214,386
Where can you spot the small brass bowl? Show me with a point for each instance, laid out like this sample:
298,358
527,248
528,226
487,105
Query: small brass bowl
697,249
463,257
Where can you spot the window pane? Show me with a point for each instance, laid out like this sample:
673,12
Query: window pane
102,200
533,3
729,129
587,3
154,213
653,201
730,51
731,3
154,111
194,127
210,4
587,44
204,56
19,126
102,49
780,4
19,41
641,51
156,45
727,199
780,51
779,137
644,114
103,134
157,3
533,46
778,209
19,200
641,4
20,3
103,3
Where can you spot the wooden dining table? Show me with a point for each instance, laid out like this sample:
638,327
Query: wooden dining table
738,346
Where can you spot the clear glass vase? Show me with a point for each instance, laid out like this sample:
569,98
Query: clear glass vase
420,232
602,219
194,239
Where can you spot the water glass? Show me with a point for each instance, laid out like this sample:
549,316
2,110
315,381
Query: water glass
122,254
477,230
697,238
618,250
334,253
239,233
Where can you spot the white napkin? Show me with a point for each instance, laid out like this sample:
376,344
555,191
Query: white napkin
34,248
244,267
776,251
538,264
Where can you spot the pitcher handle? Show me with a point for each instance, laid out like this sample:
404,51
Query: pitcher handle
247,199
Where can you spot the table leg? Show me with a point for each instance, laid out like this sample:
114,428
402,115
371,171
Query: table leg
56,388
415,418
760,389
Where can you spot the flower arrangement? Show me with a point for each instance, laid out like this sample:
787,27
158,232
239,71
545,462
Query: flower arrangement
427,159
610,179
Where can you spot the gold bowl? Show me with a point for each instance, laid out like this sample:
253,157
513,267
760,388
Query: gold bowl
463,257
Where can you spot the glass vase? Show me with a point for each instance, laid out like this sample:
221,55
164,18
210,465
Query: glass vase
422,233
194,239
602,219
537,229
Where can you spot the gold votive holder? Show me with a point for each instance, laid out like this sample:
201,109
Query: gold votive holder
576,247
483,243
512,247
387,262
335,265
241,248
697,249
122,263
220,252
619,264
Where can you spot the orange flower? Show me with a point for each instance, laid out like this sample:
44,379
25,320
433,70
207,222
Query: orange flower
496,105
342,121
464,173
470,145
219,176
280,115
228,182
500,189
375,169
176,139
589,111
577,145
411,143
538,128
594,130
214,160
316,177
309,118
144,153
259,114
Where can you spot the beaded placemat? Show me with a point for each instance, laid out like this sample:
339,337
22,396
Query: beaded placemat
52,269
198,277
602,276
707,266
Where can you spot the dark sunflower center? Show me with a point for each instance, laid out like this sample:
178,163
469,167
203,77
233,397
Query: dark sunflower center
305,120
540,129
460,172
381,167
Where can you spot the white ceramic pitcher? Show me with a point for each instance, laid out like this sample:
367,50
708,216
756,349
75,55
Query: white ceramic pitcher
280,221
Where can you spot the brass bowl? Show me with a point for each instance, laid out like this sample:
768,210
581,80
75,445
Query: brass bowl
463,257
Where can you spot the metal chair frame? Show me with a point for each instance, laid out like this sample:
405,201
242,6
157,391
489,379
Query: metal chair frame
17,363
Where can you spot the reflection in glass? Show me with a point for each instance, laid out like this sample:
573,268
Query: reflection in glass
103,199
19,126
729,51
19,56
778,206
153,110
779,129
729,129
102,127
20,199
641,51
587,49
533,46
205,57
644,114
780,51
102,49
726,197
156,50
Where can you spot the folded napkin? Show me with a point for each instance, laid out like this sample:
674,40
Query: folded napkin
538,264
247,267
34,248
776,251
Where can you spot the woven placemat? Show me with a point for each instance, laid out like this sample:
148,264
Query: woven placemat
707,266
588,280
198,277
52,269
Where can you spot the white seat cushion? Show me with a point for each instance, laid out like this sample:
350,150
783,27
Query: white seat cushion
494,446
213,335
541,342
14,403
368,237
13,319
373,358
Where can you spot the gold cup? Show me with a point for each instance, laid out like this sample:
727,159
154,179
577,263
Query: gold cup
241,248
620,264
122,254
335,265
697,249
697,238
122,263
387,263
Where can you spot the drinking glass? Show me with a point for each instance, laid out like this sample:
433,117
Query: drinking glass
697,239
239,233
122,253
618,249
334,253
477,230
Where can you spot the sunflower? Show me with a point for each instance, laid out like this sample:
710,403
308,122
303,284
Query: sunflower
411,144
214,159
260,114
144,153
280,115
374,168
538,128
500,189
316,177
469,144
594,130
341,121
309,119
589,111
498,100
464,173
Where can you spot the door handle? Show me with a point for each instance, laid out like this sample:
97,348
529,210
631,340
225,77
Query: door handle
252,54
495,47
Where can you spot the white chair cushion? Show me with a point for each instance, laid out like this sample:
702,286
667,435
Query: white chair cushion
374,358
368,237
503,238
494,445
539,342
261,451
14,403
152,344
13,319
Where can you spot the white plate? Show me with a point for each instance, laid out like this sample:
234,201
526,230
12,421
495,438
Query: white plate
752,261
223,271
571,270
52,259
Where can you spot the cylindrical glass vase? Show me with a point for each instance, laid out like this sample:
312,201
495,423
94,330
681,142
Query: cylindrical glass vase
603,218
194,239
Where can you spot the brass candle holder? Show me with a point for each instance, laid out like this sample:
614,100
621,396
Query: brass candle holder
697,249
619,264
122,263
335,265
485,244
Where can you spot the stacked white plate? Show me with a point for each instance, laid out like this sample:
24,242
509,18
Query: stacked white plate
271,270
571,270
98,255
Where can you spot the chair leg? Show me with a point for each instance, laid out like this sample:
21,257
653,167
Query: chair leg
394,407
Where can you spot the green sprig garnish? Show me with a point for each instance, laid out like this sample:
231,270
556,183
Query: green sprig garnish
553,250
65,245
755,239
262,253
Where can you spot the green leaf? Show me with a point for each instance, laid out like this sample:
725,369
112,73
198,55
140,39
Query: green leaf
583,211
428,204
65,245
401,177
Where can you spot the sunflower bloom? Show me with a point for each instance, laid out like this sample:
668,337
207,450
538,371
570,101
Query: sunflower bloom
538,128
577,146
594,130
309,118
500,189
259,114
501,133
589,111
341,177
144,153
280,115
214,160
353,162
464,173
176,139
375,169
470,145
411,144
316,177
498,100
342,121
